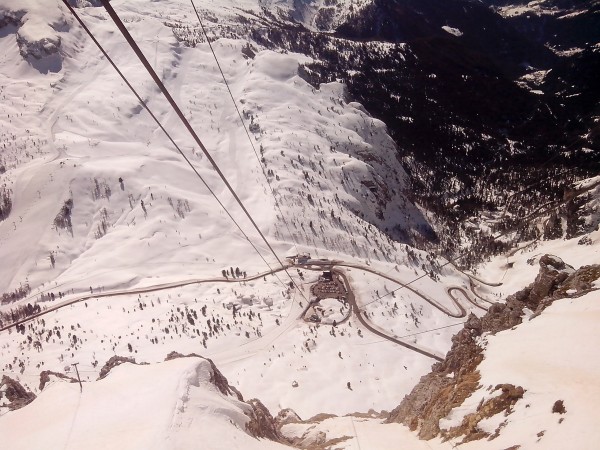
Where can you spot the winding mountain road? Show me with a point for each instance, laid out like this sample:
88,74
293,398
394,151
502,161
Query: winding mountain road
312,266
141,290
457,315
365,323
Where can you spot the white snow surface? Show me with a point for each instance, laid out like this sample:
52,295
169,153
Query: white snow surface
171,405
75,132
454,31
549,356
519,270
72,132
324,15
70,129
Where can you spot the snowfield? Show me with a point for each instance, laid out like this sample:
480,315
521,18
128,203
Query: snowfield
265,339
177,225
136,215
171,405
550,358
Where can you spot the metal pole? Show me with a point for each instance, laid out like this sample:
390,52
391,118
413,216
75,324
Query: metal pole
79,379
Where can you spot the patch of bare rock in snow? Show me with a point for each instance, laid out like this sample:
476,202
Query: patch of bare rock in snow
37,26
182,400
444,403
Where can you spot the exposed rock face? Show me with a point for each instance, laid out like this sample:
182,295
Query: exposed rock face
10,17
112,363
575,284
176,355
216,377
451,381
509,395
553,271
286,416
262,424
39,48
445,387
15,393
38,26
219,380
559,407
45,378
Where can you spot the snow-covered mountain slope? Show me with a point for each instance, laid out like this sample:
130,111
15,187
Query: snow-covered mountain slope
102,220
329,163
264,347
544,363
566,27
101,202
171,405
549,357
323,15
510,373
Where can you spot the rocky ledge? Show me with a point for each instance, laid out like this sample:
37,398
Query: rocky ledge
15,393
451,381
261,423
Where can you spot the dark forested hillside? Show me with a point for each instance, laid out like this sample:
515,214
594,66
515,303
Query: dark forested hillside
469,135
560,23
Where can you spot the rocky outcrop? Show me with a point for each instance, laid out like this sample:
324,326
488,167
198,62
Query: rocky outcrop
15,393
219,380
37,27
38,48
559,407
553,271
113,362
503,402
262,424
216,377
286,416
46,374
177,355
11,17
451,381
445,387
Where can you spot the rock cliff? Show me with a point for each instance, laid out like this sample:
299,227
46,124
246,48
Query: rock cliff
451,381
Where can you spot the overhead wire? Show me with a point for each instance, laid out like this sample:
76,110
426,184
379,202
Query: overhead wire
186,123
403,285
160,125
188,126
163,89
136,49
420,332
169,98
140,55
121,26
212,50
